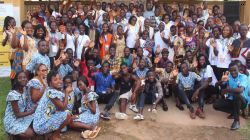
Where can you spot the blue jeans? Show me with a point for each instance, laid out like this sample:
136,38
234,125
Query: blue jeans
147,98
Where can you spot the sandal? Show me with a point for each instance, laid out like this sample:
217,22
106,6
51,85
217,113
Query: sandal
88,134
94,133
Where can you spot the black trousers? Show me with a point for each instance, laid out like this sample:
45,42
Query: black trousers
108,99
231,106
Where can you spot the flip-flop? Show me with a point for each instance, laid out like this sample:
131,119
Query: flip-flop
86,134
95,133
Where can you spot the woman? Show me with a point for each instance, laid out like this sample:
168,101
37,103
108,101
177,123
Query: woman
119,41
27,43
16,120
148,28
82,41
50,115
54,38
131,33
37,86
105,40
39,33
152,94
89,115
9,30
146,43
167,21
222,50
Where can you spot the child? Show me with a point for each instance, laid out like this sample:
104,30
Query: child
89,115
50,115
16,120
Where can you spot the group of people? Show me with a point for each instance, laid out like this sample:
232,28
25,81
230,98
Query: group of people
68,57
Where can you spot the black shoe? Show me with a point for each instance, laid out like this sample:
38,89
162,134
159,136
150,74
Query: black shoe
230,116
165,107
180,107
235,125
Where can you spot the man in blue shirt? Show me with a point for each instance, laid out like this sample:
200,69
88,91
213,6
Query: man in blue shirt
104,85
236,94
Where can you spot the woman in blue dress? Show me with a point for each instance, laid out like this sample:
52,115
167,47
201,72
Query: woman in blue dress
17,120
90,113
37,85
50,116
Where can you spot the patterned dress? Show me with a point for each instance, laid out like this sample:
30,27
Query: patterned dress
86,116
71,101
33,83
36,59
47,118
12,124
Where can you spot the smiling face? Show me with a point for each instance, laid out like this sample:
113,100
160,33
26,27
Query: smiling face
28,28
151,76
105,28
22,79
42,71
234,71
126,52
81,85
56,82
43,47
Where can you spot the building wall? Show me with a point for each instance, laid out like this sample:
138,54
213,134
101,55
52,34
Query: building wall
244,9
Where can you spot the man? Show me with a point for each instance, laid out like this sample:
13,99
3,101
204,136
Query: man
39,58
105,88
241,46
236,94
113,60
187,91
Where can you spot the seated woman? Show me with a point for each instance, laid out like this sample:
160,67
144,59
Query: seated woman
37,86
152,94
187,90
50,115
127,85
16,120
89,115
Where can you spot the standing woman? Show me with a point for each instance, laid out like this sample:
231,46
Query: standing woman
37,86
119,41
16,120
105,40
50,116
27,43
54,37
222,50
131,33
9,33
39,33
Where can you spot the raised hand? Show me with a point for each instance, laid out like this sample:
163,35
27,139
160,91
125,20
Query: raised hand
68,90
175,71
76,63
57,62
